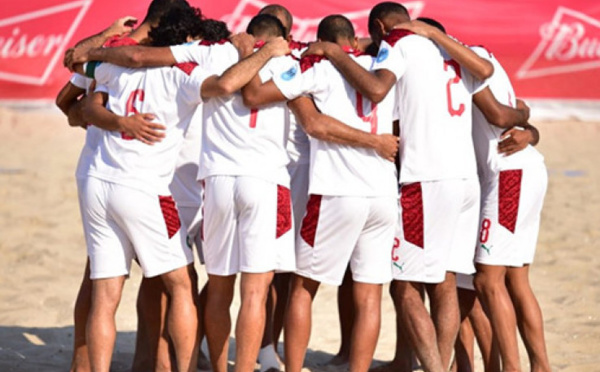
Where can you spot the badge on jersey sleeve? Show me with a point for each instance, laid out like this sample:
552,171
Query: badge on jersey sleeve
383,54
289,74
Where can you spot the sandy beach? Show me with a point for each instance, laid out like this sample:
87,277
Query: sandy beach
42,252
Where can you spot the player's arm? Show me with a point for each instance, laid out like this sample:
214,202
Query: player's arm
326,128
137,126
373,85
477,66
498,114
238,75
119,27
127,56
69,103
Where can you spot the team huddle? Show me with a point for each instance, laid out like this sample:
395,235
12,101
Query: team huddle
403,158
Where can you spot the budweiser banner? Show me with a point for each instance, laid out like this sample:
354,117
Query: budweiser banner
550,48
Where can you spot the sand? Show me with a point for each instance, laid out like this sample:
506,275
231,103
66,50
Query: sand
42,252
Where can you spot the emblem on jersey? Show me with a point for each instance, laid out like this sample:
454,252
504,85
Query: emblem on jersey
383,54
399,266
570,43
487,249
289,74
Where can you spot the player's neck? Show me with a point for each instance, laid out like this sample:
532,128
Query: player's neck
140,34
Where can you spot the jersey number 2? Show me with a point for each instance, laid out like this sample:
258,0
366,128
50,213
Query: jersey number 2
455,80
136,95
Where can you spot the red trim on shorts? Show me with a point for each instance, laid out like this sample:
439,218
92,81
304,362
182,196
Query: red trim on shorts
411,200
311,219
170,214
509,193
284,211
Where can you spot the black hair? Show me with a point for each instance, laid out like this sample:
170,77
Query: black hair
432,22
275,10
175,26
213,30
334,27
265,24
384,9
159,7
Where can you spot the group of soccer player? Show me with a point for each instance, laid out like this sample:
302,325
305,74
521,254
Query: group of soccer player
295,164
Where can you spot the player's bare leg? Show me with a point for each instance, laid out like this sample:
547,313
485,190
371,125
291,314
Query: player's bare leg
404,358
529,317
80,361
281,283
182,319
203,362
367,321
298,321
418,325
267,356
254,289
346,313
492,291
445,314
464,350
101,329
484,336
217,320
152,340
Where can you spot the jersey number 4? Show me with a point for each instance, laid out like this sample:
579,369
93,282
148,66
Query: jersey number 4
454,80
136,95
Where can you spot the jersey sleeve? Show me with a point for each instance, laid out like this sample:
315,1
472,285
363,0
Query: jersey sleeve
80,81
290,82
190,52
391,58
473,84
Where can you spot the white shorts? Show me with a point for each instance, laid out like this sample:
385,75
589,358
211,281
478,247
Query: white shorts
429,218
299,177
338,230
191,218
247,226
462,254
123,222
510,217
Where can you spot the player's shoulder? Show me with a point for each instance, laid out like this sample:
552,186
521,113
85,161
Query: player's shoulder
117,41
310,61
186,67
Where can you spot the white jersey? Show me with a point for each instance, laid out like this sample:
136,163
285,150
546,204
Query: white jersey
434,108
239,141
298,145
171,94
92,134
341,170
486,135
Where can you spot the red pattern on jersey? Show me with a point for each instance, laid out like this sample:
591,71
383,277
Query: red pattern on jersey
209,43
311,219
396,34
297,45
508,198
284,211
170,214
309,61
187,67
118,41
411,200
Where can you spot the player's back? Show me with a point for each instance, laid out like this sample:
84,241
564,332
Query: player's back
434,108
486,135
241,141
171,94
340,169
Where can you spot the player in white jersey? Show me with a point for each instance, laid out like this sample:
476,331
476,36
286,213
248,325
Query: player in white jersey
433,104
125,169
513,189
331,235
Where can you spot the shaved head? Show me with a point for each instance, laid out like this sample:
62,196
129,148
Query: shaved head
282,14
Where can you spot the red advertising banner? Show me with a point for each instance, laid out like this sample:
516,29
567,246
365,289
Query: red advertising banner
550,48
